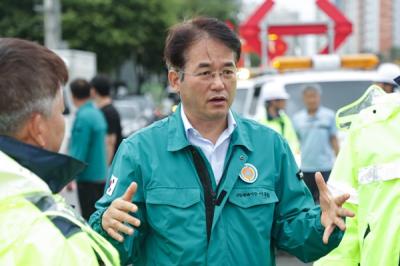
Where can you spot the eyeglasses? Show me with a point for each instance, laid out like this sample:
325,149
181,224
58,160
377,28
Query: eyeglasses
226,74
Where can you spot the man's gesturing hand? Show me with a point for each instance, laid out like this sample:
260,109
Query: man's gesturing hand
331,208
116,217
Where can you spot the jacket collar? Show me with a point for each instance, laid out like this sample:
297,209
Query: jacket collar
87,104
240,136
177,139
56,169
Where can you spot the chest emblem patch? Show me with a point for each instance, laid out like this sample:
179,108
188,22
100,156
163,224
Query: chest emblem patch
248,173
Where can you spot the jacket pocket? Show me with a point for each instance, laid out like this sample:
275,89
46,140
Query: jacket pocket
176,218
249,214
177,197
170,208
252,210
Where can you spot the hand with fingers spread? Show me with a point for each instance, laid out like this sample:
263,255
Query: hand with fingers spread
331,208
116,217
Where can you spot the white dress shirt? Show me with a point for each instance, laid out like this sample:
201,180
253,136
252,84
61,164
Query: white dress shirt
215,154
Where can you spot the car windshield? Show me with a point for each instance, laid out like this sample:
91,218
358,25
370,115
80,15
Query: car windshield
136,112
132,107
335,94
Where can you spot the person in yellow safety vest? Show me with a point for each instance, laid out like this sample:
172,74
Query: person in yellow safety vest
368,167
275,97
38,227
385,74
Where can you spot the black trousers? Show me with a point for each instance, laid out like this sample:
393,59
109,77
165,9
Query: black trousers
309,179
89,193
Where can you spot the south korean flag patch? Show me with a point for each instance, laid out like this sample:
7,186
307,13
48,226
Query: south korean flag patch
113,184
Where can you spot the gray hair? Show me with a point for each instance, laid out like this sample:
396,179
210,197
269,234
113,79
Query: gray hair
31,77
311,87
12,122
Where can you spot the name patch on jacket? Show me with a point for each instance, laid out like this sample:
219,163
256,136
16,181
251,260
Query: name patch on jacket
262,194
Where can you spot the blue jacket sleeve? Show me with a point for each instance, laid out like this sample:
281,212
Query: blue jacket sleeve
124,170
297,228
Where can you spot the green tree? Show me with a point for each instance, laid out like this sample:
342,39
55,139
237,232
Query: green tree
224,10
19,19
114,30
118,30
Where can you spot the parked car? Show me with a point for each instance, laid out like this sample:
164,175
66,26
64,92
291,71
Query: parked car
136,111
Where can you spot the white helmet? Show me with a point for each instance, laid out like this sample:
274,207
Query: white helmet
274,90
387,72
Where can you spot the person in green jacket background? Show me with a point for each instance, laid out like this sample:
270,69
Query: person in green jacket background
275,97
37,227
368,168
205,186
88,144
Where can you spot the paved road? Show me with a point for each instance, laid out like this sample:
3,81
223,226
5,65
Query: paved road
286,260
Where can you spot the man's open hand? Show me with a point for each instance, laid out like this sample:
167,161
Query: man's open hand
331,208
117,215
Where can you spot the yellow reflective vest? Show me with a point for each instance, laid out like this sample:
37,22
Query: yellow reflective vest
368,168
284,127
39,228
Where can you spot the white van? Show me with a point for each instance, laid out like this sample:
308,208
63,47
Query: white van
339,87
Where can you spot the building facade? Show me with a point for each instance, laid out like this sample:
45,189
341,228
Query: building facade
376,25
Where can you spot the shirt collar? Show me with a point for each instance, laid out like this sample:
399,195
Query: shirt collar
177,139
56,169
189,128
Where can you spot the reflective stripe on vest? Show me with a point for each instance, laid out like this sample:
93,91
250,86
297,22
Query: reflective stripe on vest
379,173
61,217
46,203
339,188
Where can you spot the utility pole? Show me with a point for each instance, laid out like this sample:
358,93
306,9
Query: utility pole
52,24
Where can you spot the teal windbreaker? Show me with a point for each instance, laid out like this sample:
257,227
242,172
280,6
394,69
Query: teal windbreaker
273,208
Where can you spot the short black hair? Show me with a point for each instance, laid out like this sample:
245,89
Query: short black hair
101,84
183,35
80,88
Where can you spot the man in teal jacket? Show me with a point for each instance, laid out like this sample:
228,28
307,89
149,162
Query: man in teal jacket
88,144
204,186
